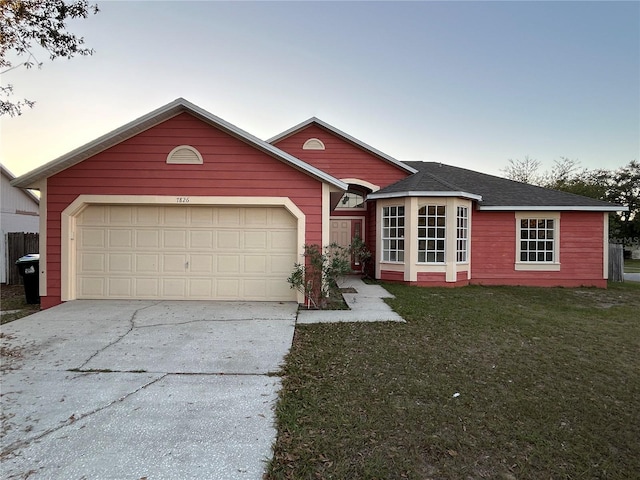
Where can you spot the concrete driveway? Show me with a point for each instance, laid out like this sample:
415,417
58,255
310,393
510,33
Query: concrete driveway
142,389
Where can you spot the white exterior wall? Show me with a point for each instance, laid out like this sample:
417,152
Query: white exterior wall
19,213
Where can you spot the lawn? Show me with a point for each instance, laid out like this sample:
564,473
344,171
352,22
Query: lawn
631,266
500,383
13,303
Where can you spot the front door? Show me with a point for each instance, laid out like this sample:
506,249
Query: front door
343,231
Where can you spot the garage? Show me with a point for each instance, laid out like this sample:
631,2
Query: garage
184,252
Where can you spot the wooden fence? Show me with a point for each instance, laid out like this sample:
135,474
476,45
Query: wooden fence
616,262
18,245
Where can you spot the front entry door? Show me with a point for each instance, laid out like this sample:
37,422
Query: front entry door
343,231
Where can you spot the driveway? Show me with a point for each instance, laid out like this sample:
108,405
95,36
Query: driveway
142,389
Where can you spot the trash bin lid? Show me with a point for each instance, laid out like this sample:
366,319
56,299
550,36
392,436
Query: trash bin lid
30,257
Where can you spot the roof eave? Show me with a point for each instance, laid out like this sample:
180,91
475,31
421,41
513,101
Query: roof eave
344,135
553,208
380,196
151,119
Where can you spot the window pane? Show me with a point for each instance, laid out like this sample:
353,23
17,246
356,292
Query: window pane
440,209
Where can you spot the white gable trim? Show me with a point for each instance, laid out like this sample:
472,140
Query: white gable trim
148,121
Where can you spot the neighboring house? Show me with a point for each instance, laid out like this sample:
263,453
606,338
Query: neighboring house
180,204
19,213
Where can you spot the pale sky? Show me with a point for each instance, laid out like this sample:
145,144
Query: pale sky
470,84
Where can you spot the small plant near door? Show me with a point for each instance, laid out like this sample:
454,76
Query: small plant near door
361,254
318,276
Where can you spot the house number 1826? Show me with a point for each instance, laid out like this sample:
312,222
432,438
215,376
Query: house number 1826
182,199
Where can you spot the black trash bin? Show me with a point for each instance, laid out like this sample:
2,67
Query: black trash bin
29,267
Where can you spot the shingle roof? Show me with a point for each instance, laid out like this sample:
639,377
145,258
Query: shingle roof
491,192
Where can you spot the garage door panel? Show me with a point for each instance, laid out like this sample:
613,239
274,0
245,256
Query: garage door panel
121,215
255,264
119,287
120,262
282,241
119,238
228,264
201,263
255,240
174,239
228,289
147,263
92,237
92,263
175,216
201,239
146,287
147,238
174,287
281,264
185,252
92,287
174,263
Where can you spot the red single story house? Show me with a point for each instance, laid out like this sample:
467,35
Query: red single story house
180,204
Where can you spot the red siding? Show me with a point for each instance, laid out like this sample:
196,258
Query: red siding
340,158
137,166
391,276
493,251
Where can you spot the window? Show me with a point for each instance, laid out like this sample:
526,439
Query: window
537,240
431,233
393,234
352,199
462,234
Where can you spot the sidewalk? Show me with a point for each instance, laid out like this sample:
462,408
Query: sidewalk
365,306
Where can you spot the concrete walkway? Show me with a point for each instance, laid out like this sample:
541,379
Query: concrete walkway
632,277
141,389
367,305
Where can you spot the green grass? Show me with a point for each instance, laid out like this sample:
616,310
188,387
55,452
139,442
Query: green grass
548,383
632,266
12,299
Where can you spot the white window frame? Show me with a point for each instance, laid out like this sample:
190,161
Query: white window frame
393,233
433,236
462,234
541,265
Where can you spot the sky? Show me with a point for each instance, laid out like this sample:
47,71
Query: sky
470,84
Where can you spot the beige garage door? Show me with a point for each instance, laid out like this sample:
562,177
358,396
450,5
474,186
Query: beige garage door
185,252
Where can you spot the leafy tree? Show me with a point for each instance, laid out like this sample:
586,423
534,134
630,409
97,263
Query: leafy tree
621,186
29,24
625,190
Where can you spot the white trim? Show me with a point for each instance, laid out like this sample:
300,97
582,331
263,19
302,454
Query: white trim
554,266
69,216
198,160
379,196
42,239
344,135
152,119
362,183
542,208
326,215
537,267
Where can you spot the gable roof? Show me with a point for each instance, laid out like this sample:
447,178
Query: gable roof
491,192
10,176
345,136
160,115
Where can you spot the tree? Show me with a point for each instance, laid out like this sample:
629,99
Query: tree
525,171
625,190
27,25
621,186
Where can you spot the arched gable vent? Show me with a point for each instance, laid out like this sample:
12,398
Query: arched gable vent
184,154
313,144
